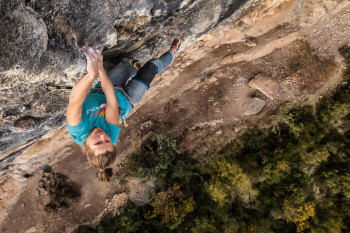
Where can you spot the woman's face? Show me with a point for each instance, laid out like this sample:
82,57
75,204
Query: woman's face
99,142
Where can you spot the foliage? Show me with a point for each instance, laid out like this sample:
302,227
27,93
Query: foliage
229,182
130,219
203,225
345,52
330,218
85,229
171,205
334,109
155,157
298,213
316,156
107,224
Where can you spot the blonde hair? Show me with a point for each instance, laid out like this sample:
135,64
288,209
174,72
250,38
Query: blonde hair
102,162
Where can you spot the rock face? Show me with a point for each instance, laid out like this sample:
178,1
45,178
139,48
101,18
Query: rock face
120,200
140,193
40,45
254,106
24,36
266,85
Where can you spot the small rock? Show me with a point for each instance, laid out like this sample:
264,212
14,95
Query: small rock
32,230
250,42
120,200
147,136
254,106
87,205
37,193
106,201
147,124
23,205
141,192
41,184
266,85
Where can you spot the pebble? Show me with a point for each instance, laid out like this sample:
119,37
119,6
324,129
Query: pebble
41,184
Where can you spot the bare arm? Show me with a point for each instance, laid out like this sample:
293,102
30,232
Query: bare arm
112,104
80,90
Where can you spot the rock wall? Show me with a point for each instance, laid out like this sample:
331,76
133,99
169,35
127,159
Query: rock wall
40,43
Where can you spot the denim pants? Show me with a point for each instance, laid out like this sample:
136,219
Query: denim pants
134,83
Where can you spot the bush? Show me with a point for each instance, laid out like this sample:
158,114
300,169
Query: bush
155,157
171,206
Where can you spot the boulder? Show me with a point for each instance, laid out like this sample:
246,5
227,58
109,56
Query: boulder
266,85
120,200
140,192
254,106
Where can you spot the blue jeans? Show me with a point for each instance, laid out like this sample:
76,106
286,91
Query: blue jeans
134,83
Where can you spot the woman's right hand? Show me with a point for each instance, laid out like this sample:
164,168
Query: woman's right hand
92,60
100,60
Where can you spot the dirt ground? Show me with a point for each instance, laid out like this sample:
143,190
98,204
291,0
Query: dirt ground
198,96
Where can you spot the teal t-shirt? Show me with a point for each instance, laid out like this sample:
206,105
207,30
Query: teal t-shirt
93,115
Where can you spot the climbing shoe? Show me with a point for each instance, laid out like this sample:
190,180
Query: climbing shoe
137,65
175,45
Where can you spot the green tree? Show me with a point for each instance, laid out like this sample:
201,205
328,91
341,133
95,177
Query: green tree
171,206
156,156
298,213
229,182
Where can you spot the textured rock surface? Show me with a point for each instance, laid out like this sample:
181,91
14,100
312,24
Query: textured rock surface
266,85
201,91
254,106
41,44
140,193
119,200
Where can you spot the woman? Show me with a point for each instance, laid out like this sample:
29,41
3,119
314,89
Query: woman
94,114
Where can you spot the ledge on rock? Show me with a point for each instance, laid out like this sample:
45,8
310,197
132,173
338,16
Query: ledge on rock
266,85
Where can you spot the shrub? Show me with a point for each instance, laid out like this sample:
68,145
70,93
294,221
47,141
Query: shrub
171,205
155,157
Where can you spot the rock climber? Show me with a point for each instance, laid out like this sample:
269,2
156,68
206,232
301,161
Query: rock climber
94,113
